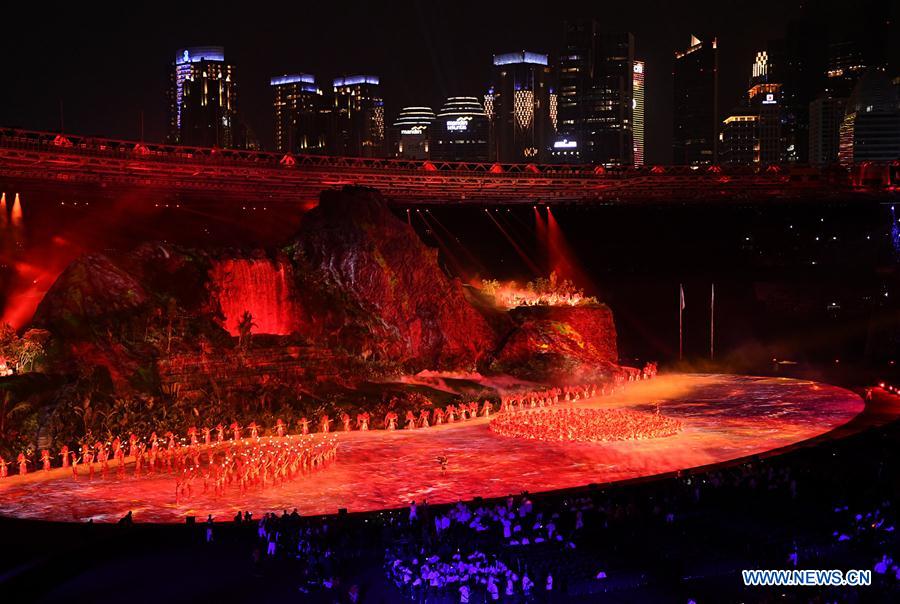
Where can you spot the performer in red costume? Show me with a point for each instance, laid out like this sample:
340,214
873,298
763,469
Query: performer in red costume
390,421
362,420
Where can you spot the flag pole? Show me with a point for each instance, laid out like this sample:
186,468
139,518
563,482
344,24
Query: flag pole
712,322
680,321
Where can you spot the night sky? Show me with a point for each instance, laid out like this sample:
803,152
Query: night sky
108,63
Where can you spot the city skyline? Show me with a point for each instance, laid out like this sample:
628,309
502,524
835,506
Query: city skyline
459,62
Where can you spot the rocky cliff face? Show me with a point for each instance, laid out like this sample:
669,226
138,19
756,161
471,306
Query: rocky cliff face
559,343
90,289
377,290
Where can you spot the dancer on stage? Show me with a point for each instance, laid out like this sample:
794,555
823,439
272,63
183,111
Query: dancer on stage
390,421
279,427
304,425
362,420
487,408
3,467
23,463
75,460
345,420
64,454
45,459
324,425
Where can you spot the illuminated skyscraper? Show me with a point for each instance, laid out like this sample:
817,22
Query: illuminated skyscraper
595,96
844,66
638,127
411,132
521,106
752,134
298,106
358,127
461,130
203,98
870,130
696,116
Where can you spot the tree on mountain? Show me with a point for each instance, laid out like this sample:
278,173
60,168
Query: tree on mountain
245,327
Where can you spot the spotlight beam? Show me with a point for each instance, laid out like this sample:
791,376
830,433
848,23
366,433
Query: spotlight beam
528,261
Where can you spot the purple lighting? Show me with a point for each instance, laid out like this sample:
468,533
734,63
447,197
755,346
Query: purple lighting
293,78
510,58
354,80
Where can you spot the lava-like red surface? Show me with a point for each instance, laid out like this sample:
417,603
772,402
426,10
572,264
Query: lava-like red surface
724,417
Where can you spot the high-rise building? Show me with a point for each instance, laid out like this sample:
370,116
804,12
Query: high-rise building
826,114
765,98
203,99
461,130
595,96
844,65
298,105
638,126
871,127
759,118
739,139
411,131
358,127
696,84
520,106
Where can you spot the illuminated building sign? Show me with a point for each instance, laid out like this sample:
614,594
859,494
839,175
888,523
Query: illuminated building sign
510,58
459,124
565,144
414,130
770,99
638,67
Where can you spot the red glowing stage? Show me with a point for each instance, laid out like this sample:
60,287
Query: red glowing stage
722,418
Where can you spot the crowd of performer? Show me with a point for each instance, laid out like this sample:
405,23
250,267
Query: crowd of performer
170,451
585,425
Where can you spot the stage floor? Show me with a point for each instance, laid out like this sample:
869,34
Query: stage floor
725,417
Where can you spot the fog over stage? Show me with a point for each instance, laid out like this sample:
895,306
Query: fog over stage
724,417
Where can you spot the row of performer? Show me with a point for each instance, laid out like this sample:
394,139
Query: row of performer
101,453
